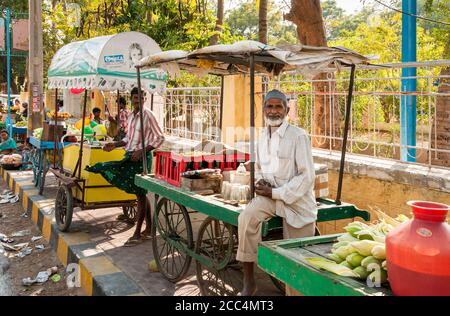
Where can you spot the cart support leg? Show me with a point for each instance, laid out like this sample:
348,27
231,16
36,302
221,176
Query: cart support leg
252,125
348,111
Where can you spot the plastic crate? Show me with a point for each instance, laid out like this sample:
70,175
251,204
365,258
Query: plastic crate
214,161
233,160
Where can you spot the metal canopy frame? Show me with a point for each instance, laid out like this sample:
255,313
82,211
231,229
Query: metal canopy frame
256,62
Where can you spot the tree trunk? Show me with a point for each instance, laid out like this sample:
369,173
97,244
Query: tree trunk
262,25
307,16
219,22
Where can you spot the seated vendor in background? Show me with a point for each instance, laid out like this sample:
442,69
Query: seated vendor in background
284,174
8,145
121,173
97,119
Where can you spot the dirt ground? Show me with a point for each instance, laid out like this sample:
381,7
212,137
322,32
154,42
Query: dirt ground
11,221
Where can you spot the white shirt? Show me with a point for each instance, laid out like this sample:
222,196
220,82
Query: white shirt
152,132
284,159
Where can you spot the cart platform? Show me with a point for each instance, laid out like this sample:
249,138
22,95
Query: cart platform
285,260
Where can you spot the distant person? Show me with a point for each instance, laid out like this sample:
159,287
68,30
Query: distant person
97,119
25,109
17,103
121,119
8,145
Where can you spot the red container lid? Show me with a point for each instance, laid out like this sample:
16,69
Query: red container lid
429,211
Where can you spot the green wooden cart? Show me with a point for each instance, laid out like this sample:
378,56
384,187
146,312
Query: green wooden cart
285,260
218,272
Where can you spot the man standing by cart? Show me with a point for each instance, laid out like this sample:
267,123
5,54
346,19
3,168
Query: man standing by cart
121,173
284,174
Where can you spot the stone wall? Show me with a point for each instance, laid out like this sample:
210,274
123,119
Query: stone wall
386,184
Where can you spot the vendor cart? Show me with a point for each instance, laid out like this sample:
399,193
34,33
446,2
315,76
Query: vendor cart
285,260
215,247
101,63
41,160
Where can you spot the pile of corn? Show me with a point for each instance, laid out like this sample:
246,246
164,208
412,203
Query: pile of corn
361,252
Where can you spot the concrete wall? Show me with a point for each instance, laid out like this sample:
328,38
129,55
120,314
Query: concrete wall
236,108
386,184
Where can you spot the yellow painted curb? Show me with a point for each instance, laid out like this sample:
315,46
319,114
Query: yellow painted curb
11,182
25,200
86,280
17,188
99,265
34,213
47,228
62,250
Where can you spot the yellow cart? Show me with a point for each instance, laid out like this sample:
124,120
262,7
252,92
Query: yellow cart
96,63
86,190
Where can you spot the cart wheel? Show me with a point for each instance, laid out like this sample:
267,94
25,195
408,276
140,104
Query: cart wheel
171,224
64,208
216,242
42,174
130,213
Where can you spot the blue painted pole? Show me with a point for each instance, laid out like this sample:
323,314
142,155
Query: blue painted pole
8,65
408,109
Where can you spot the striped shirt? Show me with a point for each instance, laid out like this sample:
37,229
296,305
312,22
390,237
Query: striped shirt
152,132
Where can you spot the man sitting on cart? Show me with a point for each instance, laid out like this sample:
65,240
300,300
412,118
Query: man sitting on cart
284,174
121,173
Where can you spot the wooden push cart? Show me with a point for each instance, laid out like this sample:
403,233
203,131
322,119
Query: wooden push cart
285,260
215,247
107,71
41,159
84,190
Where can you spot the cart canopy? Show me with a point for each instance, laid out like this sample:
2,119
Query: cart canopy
105,63
270,60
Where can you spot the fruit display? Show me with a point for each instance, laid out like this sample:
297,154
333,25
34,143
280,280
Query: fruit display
37,133
361,251
13,159
21,124
61,115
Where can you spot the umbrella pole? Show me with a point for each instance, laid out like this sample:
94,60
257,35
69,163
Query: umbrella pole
151,102
118,101
221,108
55,141
141,114
252,125
344,143
80,155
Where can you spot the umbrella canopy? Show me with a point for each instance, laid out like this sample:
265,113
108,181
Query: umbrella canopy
270,60
105,63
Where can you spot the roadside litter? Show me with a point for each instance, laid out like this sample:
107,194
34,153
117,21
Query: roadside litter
25,252
24,215
35,238
39,247
6,239
56,278
17,247
41,277
22,233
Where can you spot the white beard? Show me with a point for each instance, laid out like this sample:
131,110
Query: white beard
272,123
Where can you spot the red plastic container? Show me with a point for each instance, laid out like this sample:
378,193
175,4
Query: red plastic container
418,252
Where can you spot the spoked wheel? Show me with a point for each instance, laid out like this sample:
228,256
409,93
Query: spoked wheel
64,208
216,243
130,213
171,226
